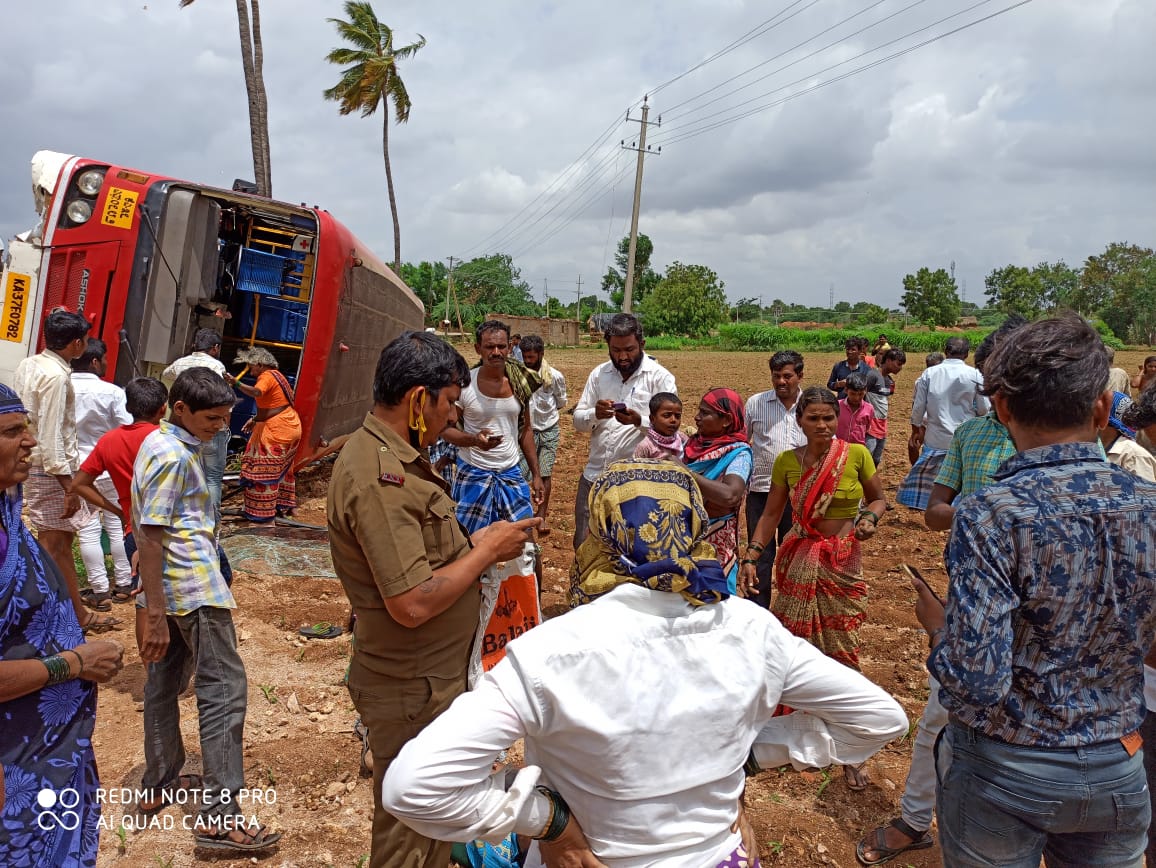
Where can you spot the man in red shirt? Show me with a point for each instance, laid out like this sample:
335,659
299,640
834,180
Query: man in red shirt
115,453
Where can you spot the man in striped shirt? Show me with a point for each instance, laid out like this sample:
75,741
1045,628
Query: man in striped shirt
772,428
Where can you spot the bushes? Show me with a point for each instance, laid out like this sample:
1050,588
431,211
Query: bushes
755,336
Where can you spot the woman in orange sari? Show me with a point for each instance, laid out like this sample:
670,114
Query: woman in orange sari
820,592
274,435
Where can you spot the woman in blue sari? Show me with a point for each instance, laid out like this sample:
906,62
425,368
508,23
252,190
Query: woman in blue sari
719,455
48,676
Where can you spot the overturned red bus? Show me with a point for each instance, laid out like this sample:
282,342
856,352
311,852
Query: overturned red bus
149,259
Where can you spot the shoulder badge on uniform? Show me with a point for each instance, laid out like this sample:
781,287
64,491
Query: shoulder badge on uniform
392,478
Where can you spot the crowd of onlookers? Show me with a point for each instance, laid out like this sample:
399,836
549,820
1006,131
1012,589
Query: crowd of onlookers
697,652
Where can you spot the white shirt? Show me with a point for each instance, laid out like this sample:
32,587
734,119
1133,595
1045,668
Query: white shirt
99,408
500,415
546,402
773,429
44,384
1131,456
610,440
946,396
195,359
639,709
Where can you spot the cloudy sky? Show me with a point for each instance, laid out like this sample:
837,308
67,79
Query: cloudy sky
1028,137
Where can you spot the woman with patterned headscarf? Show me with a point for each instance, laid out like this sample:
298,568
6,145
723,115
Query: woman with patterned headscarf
641,710
719,455
48,677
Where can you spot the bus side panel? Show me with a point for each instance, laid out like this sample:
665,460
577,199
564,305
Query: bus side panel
355,313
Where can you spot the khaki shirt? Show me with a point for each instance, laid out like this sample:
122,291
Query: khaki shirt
391,525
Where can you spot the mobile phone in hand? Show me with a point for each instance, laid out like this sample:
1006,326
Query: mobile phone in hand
913,573
618,407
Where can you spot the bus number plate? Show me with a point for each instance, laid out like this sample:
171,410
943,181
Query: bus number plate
118,208
15,301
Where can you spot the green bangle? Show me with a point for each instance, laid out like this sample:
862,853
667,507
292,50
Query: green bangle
749,561
751,544
58,669
866,512
559,816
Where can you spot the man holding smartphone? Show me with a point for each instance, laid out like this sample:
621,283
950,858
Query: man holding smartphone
615,406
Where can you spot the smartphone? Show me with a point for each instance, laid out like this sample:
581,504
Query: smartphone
618,407
915,574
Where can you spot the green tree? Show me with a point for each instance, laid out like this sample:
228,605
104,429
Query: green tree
645,278
1060,283
1130,310
689,300
747,310
252,62
427,280
485,285
931,297
1105,275
371,79
868,313
1015,289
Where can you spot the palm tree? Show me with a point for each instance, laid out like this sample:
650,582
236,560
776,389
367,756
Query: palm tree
252,60
371,80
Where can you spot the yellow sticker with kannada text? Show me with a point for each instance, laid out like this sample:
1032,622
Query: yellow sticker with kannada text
118,208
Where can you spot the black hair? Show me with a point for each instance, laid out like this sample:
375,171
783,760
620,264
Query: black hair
856,382
851,343
206,339
896,355
990,342
417,359
934,358
957,348
96,349
656,401
1142,413
787,357
1150,359
144,397
62,327
517,336
623,325
202,388
815,395
533,344
491,325
1052,373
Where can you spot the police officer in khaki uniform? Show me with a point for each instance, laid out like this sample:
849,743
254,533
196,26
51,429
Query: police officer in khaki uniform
409,569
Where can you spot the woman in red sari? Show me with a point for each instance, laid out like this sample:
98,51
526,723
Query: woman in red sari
274,435
820,592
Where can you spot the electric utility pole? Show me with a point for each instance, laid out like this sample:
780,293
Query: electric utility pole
640,147
578,305
449,292
546,292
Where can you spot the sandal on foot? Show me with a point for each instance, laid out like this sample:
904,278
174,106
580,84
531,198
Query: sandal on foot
96,624
162,795
96,601
856,778
258,840
122,594
321,630
876,841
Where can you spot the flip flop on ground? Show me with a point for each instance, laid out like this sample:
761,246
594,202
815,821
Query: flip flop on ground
94,623
876,842
856,777
161,795
321,630
239,839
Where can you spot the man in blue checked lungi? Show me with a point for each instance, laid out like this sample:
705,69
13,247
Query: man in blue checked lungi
496,435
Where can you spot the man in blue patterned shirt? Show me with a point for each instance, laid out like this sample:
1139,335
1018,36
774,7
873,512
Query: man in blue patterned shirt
1050,612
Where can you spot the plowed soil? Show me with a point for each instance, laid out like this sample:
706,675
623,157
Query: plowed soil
299,746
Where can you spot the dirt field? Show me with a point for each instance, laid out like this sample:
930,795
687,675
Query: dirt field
298,739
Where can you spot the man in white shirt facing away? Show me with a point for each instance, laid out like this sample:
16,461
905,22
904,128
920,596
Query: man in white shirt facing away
615,406
773,428
946,396
100,407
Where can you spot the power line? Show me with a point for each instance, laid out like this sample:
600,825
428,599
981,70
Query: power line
742,40
673,114
696,131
